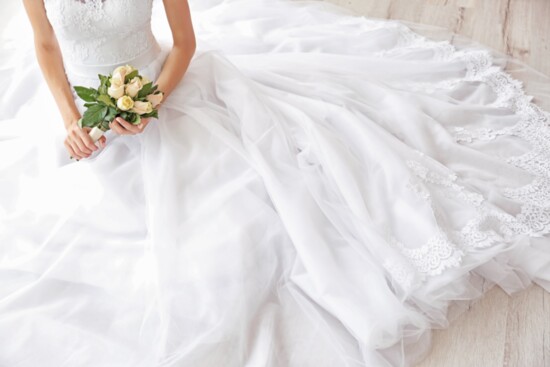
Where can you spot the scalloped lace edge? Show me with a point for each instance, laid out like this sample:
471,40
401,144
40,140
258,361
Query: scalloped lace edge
491,225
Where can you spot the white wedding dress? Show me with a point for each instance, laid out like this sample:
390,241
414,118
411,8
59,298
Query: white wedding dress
321,189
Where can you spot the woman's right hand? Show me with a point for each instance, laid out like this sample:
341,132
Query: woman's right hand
78,142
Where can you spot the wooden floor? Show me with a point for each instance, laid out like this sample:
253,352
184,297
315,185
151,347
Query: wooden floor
518,27
498,331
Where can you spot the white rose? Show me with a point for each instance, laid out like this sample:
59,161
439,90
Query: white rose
117,79
133,88
116,91
125,103
116,82
155,99
142,108
120,74
144,80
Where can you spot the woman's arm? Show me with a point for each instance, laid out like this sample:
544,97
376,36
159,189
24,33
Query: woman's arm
183,35
177,61
48,53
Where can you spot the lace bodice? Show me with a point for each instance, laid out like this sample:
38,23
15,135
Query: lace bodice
101,32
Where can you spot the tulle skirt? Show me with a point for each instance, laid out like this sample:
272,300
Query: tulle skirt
321,189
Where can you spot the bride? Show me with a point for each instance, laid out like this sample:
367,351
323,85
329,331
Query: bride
107,46
320,189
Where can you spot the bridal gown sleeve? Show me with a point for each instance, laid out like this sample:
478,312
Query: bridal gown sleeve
320,189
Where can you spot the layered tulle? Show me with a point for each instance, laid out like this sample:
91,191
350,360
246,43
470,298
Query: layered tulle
320,190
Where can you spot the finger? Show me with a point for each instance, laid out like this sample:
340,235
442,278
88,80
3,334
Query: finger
128,126
70,149
115,126
143,124
87,140
145,121
102,141
75,139
76,152
81,147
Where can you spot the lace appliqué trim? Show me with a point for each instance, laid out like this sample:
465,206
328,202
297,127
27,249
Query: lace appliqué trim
435,256
403,273
490,226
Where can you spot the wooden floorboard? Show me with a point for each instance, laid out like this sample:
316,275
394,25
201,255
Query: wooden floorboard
518,27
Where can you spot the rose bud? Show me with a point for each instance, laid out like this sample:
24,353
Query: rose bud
116,91
120,74
155,99
125,103
133,88
142,108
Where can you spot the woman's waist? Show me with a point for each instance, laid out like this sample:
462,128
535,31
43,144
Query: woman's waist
91,70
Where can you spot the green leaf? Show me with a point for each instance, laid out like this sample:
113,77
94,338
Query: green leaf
132,117
106,100
104,125
89,104
104,79
94,115
136,120
87,94
131,76
111,114
125,115
146,90
104,86
154,113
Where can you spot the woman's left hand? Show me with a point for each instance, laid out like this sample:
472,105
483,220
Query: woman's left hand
123,127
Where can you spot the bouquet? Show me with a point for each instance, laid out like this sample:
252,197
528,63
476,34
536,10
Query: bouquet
123,93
